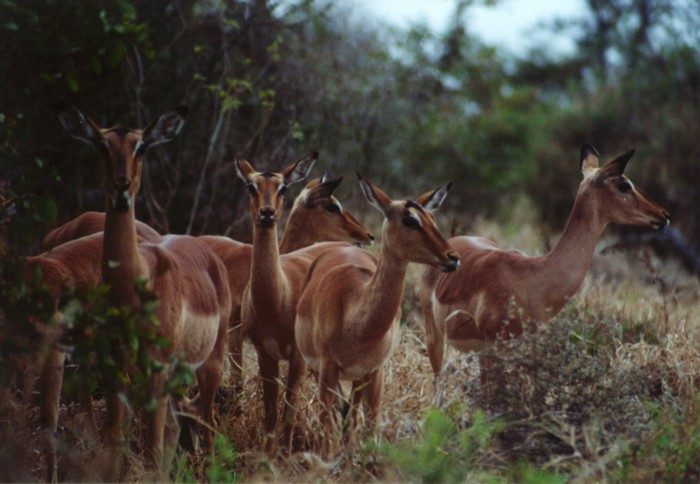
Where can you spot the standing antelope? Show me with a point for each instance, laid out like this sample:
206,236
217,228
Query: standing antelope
269,300
88,223
348,314
185,275
316,216
496,291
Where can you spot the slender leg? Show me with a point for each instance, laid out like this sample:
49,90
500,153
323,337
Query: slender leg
51,384
209,379
435,342
156,423
297,368
327,383
269,371
373,396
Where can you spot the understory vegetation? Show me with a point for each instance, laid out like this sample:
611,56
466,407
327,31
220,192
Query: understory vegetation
608,391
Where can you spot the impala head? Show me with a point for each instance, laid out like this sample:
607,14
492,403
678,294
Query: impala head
267,189
618,200
409,226
323,215
122,150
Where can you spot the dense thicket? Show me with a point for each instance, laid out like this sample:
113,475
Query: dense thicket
274,80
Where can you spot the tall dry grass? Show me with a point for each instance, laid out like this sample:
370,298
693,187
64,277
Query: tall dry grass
586,396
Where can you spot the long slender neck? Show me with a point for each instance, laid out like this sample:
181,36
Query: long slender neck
296,234
380,297
121,263
266,275
567,264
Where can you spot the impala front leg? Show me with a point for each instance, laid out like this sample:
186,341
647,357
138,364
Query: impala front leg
156,424
435,342
269,371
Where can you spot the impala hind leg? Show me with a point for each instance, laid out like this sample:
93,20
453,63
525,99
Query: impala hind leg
209,380
297,369
51,383
156,420
269,372
327,384
435,343
373,397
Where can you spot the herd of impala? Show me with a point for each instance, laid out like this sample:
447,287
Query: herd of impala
315,298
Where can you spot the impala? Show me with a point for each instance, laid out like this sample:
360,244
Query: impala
88,223
72,265
348,315
185,275
269,300
496,291
316,216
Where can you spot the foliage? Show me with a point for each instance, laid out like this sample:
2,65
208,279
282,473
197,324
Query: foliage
445,452
118,347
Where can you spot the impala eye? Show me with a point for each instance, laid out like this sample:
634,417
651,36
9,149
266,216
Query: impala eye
252,190
410,222
282,190
624,187
333,208
141,148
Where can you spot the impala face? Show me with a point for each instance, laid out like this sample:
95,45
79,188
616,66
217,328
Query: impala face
122,150
267,189
622,202
324,214
410,228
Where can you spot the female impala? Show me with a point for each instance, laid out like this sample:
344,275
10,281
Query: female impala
316,216
496,291
186,276
269,300
348,314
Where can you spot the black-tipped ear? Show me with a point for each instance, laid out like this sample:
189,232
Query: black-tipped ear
79,126
589,158
617,166
166,127
323,189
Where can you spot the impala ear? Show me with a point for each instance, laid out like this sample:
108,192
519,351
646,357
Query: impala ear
433,199
589,160
377,198
323,189
166,127
298,170
80,126
244,170
617,166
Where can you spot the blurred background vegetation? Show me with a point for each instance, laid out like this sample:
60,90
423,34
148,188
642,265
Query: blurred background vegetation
273,80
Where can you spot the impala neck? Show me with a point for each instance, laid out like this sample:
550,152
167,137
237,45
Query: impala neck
295,236
120,256
266,276
567,264
381,296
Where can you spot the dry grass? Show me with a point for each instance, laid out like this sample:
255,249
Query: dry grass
575,394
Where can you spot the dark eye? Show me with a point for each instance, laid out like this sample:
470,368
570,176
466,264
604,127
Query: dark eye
252,190
333,208
410,222
140,149
624,187
282,190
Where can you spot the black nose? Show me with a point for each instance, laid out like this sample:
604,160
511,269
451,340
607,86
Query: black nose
267,217
121,184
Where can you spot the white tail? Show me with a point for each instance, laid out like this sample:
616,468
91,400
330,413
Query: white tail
348,314
496,291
